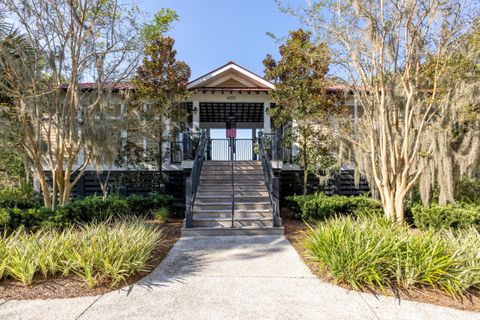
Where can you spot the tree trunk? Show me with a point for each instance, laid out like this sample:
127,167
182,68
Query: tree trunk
47,201
305,181
160,162
393,204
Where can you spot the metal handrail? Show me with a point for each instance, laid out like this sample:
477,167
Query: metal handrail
277,149
193,181
232,152
271,182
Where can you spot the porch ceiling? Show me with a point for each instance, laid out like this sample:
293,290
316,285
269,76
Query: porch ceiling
220,111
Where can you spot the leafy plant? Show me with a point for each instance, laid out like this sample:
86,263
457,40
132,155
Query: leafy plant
4,217
435,216
95,252
23,197
144,205
93,208
320,206
162,214
468,191
375,253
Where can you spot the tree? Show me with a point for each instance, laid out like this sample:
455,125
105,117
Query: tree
12,168
160,84
455,135
70,42
382,48
300,78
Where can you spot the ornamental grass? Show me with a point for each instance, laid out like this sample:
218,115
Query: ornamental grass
96,252
369,253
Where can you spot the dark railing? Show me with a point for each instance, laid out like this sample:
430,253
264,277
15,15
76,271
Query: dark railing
191,142
232,173
219,149
185,149
193,180
271,182
244,149
176,154
276,149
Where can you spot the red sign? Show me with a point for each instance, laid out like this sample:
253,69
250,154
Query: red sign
231,129
231,133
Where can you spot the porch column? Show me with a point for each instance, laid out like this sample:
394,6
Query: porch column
266,117
196,115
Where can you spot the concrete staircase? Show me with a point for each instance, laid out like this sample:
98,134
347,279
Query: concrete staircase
212,211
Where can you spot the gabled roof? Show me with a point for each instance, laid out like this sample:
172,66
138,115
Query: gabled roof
231,76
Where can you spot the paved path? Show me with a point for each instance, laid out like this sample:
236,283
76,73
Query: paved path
258,277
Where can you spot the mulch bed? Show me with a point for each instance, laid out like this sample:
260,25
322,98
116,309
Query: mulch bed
295,233
74,286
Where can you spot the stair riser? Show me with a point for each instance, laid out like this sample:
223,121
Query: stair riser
228,166
228,215
228,172
228,188
237,223
238,194
260,177
227,183
240,162
196,232
202,199
229,179
238,206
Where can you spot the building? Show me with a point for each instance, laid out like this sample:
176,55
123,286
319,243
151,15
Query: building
229,96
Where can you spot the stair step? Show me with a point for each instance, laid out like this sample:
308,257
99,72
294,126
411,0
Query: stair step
229,164
228,198
238,215
228,193
239,231
239,211
227,222
228,188
228,172
229,219
199,201
237,162
228,206
237,182
215,176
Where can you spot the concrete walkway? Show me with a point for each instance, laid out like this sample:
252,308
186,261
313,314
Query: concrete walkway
259,277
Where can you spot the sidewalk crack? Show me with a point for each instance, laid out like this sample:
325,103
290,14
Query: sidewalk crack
369,306
86,309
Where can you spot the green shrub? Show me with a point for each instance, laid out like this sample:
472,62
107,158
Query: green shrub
162,214
320,206
29,218
4,217
296,202
456,216
145,205
88,209
374,253
95,252
468,191
22,198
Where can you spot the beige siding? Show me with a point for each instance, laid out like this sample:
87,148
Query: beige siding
231,83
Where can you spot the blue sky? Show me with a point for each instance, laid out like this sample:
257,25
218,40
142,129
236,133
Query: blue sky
212,32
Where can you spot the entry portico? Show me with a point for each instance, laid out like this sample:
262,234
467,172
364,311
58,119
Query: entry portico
226,92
